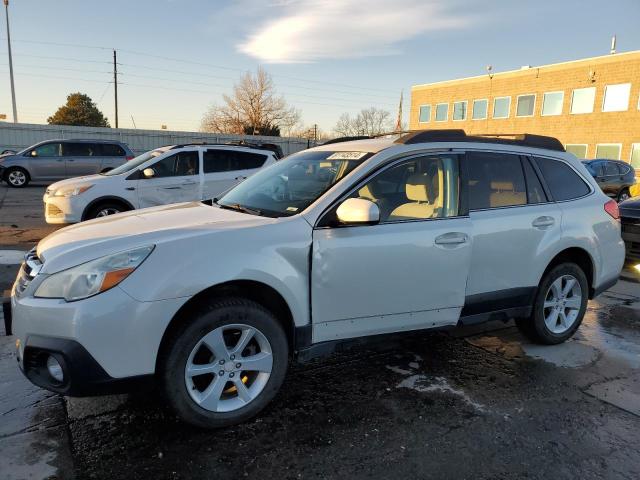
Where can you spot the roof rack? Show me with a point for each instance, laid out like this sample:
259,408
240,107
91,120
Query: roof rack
347,139
458,135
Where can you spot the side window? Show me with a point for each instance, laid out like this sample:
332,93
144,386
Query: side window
78,150
563,181
611,168
247,160
419,189
214,161
495,180
112,150
535,192
47,150
178,165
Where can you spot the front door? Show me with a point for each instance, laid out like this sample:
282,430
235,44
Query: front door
176,179
407,272
46,162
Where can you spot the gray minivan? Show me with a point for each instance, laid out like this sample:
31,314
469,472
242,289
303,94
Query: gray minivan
59,159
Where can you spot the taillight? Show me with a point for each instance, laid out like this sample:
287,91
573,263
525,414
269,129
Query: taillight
130,157
611,207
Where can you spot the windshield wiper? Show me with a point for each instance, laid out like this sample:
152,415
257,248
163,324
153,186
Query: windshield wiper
239,208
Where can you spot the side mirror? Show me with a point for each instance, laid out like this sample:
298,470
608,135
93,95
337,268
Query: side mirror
358,211
149,173
33,153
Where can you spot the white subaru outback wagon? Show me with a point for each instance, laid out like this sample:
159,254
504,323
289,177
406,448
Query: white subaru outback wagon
427,230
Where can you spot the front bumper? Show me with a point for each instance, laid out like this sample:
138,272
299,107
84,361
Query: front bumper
631,237
63,210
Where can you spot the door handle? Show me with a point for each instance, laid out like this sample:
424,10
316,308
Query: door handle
451,238
241,178
171,188
189,183
543,222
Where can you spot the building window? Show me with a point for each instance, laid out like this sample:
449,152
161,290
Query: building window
480,108
425,113
582,100
610,151
616,97
635,155
579,150
525,105
442,112
501,106
460,110
552,103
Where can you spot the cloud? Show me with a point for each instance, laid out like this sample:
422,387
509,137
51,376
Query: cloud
308,30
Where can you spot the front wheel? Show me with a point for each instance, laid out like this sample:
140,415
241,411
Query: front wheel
16,177
105,209
559,306
225,365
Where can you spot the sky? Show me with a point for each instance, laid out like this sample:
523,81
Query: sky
327,57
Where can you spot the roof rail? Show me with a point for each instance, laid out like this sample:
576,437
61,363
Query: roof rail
458,135
272,147
347,139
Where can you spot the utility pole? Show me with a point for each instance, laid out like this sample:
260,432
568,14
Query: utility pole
315,134
13,88
115,82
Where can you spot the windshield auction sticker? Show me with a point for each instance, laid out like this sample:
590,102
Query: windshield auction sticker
346,156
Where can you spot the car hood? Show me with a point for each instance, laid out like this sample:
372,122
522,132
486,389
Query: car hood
75,181
89,240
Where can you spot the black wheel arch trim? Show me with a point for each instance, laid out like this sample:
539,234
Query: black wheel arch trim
106,198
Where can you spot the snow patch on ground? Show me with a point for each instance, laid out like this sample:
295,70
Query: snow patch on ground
424,384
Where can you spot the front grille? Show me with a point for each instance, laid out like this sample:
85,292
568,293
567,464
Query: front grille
53,210
28,270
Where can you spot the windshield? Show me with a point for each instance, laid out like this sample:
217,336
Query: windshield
136,162
291,185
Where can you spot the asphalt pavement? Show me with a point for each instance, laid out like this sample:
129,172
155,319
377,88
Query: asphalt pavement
477,403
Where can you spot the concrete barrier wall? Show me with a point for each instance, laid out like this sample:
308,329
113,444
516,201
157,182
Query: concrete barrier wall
17,136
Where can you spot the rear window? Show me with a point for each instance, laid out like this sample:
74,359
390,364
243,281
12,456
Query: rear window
227,161
562,180
495,180
112,150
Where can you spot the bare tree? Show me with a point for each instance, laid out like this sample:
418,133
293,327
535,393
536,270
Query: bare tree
370,121
254,108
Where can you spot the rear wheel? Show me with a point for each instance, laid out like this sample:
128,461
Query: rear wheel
559,306
624,195
16,177
225,365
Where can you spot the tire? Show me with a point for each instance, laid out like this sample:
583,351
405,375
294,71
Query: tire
547,327
105,209
623,195
17,177
212,399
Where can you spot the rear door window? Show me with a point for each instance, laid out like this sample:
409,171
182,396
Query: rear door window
217,160
112,150
495,180
611,169
247,160
79,150
563,182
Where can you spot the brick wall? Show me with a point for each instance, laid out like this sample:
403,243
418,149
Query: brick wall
591,128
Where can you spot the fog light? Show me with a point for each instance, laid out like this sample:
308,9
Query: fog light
55,369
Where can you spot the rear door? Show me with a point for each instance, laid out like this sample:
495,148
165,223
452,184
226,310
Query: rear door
81,158
46,162
177,179
514,224
224,168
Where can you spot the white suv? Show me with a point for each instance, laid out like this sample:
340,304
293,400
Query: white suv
172,174
428,230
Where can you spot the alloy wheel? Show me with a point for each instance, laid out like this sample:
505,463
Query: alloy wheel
228,368
105,212
562,304
17,178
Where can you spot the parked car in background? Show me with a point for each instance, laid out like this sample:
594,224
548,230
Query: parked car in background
171,174
614,177
7,152
58,159
428,230
630,218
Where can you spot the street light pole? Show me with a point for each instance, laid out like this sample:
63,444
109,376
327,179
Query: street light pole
13,88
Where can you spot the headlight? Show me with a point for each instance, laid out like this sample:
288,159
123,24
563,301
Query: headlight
92,277
70,191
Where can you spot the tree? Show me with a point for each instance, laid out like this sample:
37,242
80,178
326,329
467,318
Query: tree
80,111
254,108
369,121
